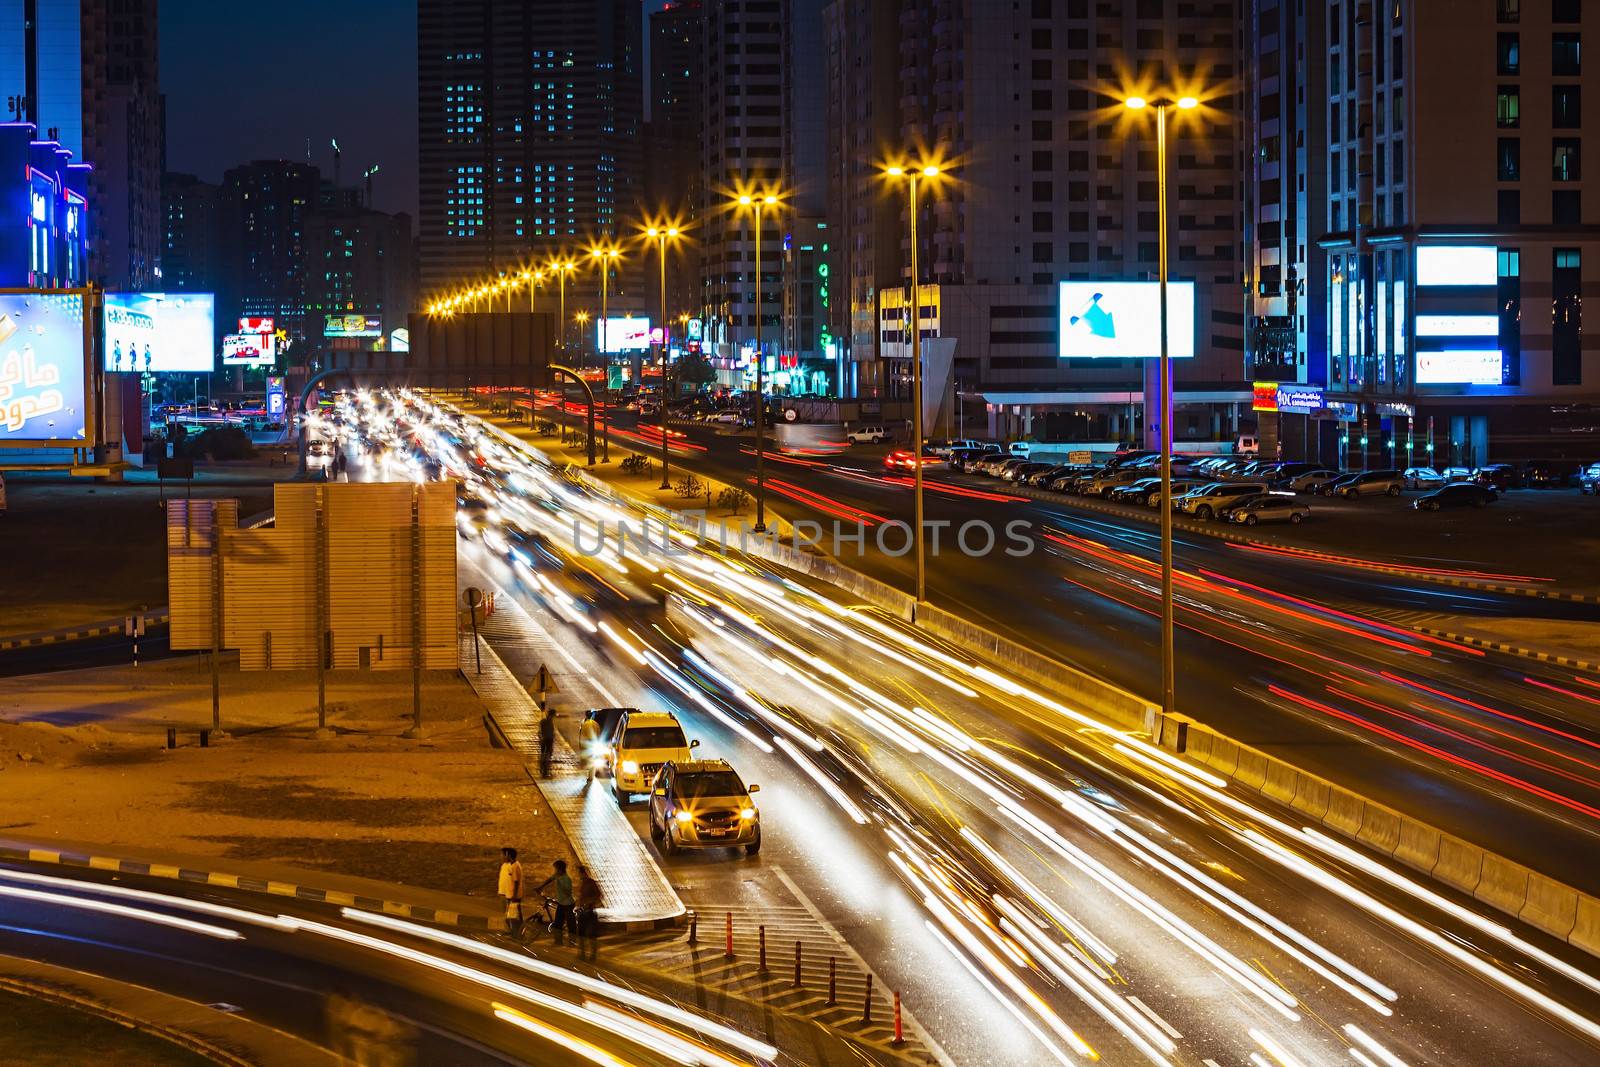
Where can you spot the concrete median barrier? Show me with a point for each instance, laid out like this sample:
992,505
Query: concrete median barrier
1460,864
1586,925
1252,770
1551,906
1280,782
1345,812
1380,829
1504,884
1311,797
1419,846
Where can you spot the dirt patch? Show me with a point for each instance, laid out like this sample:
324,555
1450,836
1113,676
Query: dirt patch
302,799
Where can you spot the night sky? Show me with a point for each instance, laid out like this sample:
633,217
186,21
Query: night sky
253,81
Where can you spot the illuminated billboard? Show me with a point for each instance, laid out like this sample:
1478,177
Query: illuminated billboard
248,349
1478,366
627,334
159,332
352,326
1458,325
400,340
43,369
257,324
1457,265
1122,320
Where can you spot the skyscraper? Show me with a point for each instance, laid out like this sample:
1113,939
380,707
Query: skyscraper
1054,181
191,250
87,74
265,208
529,117
672,138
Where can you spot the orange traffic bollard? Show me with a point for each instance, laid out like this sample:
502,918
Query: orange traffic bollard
728,951
899,1035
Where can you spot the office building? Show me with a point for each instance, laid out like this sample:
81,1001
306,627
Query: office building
266,205
358,262
672,139
87,77
1054,181
191,247
44,212
529,132
1439,295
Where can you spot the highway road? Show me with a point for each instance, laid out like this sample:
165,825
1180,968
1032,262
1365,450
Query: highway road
373,988
1042,887
1309,659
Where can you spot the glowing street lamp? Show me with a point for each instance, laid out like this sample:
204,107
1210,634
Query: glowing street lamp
661,234
562,268
756,203
1168,670
911,176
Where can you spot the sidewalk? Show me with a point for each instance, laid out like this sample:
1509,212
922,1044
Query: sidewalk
637,894
82,758
1566,644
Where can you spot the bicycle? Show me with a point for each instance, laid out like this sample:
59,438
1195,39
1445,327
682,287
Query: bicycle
540,922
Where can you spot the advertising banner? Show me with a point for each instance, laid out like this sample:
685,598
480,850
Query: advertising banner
248,349
1122,320
159,332
357,325
43,369
627,334
257,324
1459,367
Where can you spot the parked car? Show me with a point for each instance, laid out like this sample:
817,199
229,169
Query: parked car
1022,470
994,465
1547,474
1020,449
1134,492
1371,483
1247,444
867,435
1098,485
1206,501
1134,456
1422,478
1457,474
1309,480
1456,495
645,740
1039,478
1063,480
1180,486
1589,479
703,804
1268,507
1498,476
727,416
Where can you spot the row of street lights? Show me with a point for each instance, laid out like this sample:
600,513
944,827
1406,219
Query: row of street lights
759,202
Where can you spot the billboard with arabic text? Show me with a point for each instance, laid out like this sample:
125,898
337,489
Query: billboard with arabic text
43,369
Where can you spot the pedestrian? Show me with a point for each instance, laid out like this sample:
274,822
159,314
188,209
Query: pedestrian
547,740
588,906
589,741
562,881
510,888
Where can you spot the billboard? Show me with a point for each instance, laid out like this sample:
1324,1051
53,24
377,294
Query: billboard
1459,367
628,334
248,349
400,340
160,332
361,325
1122,320
257,324
43,369
1457,265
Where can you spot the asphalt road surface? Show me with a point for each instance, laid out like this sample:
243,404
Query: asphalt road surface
1041,887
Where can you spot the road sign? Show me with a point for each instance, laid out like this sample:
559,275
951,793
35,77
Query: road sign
133,625
544,682
471,596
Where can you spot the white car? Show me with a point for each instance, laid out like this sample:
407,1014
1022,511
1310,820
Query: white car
1020,449
1207,501
867,435
1422,478
644,741
724,417
1305,483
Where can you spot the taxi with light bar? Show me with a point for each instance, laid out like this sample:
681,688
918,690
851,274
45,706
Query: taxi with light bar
703,804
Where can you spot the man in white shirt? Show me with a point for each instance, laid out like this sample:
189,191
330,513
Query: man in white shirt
510,888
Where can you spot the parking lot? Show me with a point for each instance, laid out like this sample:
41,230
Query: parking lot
1549,534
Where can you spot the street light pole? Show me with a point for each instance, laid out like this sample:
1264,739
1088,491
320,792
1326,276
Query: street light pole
916,404
1168,670
757,203
661,235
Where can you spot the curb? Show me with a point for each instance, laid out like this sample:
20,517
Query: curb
103,628
1223,534
314,894
1513,650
